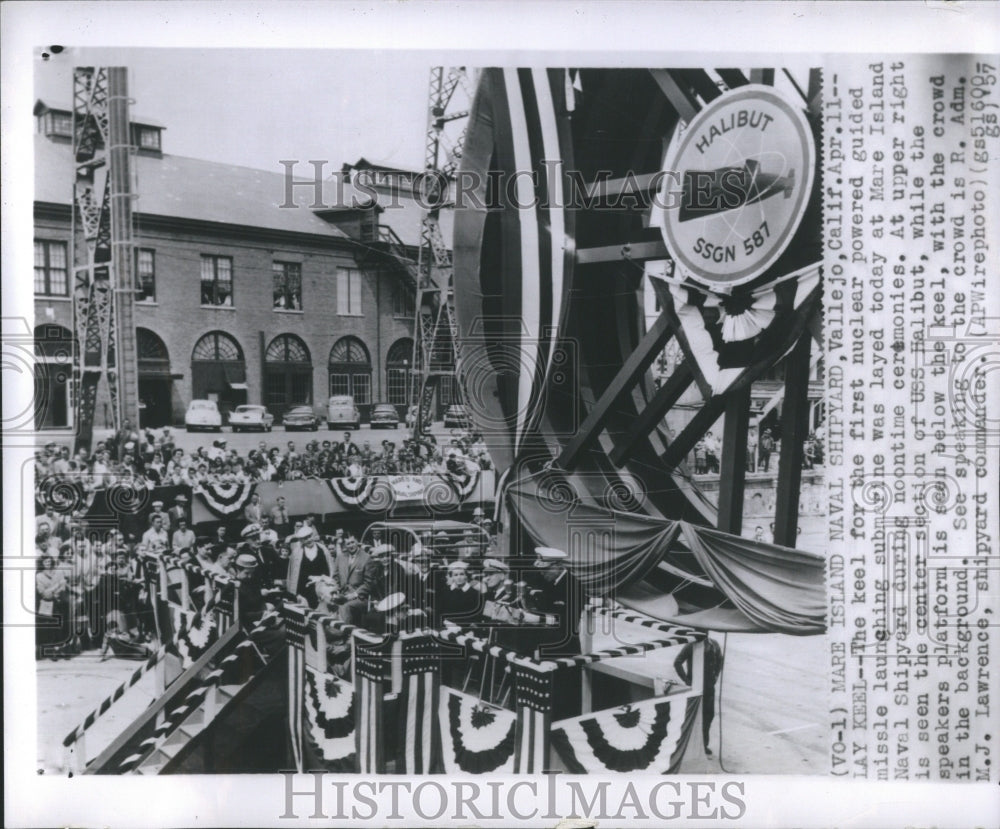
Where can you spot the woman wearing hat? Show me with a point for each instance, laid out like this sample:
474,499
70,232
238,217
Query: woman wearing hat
51,590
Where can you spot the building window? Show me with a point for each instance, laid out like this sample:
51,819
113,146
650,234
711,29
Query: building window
149,138
287,374
60,123
50,268
217,281
348,292
402,301
350,370
398,382
145,275
287,285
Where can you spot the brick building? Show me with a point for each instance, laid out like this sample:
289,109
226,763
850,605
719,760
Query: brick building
238,298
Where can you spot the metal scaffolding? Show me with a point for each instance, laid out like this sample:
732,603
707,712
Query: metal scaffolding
435,329
102,249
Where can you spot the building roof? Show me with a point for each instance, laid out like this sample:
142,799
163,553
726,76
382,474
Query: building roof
41,107
188,188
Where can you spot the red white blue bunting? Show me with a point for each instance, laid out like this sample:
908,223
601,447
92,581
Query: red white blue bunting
330,719
225,499
475,738
648,736
353,492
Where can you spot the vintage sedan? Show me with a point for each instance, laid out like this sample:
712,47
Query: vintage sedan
245,418
203,415
300,417
342,411
456,417
384,416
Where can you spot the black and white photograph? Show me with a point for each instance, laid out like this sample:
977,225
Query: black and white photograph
406,426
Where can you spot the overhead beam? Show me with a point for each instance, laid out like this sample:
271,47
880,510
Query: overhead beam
627,377
794,425
675,453
733,77
633,251
659,404
681,99
733,466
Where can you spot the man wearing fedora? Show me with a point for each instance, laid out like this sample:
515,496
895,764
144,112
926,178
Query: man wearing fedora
178,511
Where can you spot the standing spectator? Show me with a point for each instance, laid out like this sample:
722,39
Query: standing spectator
51,590
308,560
279,517
178,512
751,450
253,511
713,667
766,448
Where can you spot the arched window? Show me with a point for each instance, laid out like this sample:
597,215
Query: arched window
54,346
398,371
351,370
217,345
288,374
155,380
150,348
287,348
218,371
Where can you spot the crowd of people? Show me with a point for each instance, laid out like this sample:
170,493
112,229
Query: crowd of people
705,457
154,459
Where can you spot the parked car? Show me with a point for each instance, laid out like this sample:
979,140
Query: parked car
203,414
456,417
300,417
341,411
384,416
244,418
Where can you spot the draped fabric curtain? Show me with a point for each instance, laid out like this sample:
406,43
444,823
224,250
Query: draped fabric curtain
607,549
771,588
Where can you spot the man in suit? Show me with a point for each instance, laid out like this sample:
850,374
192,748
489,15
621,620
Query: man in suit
253,511
178,512
358,579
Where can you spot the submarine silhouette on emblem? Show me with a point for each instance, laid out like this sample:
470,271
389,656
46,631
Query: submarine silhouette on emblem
708,192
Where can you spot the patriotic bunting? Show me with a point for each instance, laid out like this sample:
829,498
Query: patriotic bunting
193,641
476,738
353,492
225,499
462,483
648,736
330,719
724,335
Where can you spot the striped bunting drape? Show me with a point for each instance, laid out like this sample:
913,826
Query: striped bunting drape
463,484
531,738
475,738
352,492
330,719
648,736
722,337
369,731
296,693
195,632
418,723
225,499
